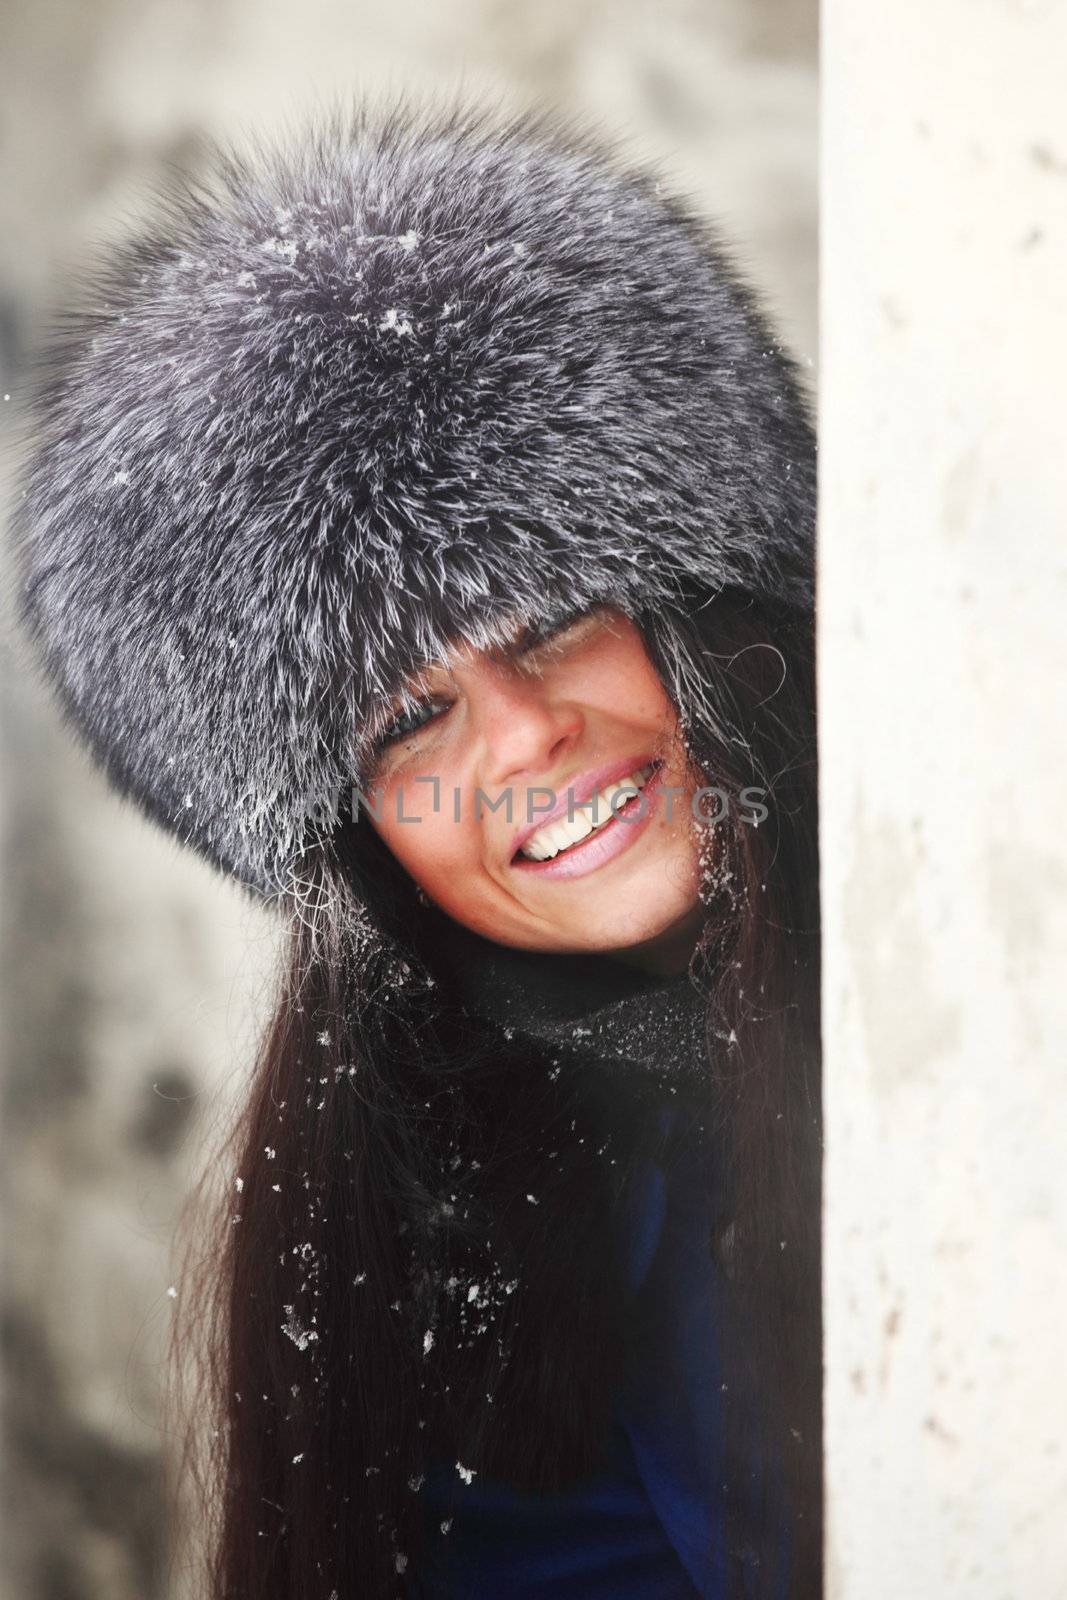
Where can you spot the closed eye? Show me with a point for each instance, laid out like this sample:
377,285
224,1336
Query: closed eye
409,721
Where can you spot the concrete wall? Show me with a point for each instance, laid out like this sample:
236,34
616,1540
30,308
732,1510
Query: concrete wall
943,594
133,979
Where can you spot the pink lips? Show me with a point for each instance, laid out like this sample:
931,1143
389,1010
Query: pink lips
605,843
583,788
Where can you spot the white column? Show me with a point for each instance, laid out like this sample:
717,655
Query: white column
943,607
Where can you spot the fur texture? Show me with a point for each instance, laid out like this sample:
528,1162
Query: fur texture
413,378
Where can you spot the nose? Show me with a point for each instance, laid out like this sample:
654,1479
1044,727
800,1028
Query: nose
525,726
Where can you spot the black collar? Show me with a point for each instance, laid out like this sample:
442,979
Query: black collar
597,1006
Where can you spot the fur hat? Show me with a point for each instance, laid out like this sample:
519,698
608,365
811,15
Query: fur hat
411,379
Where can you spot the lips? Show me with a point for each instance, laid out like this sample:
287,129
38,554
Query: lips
604,844
584,786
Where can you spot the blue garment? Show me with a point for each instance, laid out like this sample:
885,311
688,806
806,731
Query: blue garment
650,1526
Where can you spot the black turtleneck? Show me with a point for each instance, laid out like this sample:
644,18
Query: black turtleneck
598,1006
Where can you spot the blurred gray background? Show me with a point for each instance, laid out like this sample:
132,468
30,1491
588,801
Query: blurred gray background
133,980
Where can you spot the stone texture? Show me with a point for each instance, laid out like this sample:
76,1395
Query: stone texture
943,584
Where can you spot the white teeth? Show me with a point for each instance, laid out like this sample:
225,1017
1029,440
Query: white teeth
561,834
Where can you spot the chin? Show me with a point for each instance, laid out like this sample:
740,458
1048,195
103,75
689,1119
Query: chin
615,931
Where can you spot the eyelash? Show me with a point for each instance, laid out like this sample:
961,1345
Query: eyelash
532,640
396,730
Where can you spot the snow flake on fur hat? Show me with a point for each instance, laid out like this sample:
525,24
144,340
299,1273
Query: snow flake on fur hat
406,381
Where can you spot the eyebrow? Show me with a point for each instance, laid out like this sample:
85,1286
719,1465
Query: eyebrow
526,634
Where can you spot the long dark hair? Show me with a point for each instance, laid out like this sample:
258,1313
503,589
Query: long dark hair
321,1355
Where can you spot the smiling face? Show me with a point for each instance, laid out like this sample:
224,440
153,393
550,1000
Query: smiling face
499,795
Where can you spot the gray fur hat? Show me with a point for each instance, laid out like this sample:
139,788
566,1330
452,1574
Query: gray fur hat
410,379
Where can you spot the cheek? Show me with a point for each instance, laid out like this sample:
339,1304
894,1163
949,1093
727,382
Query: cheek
621,682
429,843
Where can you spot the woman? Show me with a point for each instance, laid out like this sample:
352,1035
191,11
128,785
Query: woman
394,496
